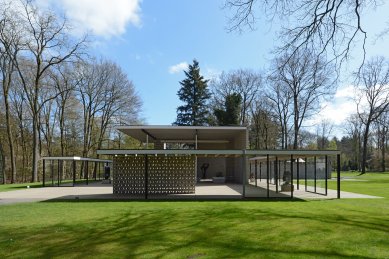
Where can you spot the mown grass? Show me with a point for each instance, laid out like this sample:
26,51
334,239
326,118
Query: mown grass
18,186
209,229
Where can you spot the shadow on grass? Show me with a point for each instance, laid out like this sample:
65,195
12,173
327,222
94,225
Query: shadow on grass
166,198
175,233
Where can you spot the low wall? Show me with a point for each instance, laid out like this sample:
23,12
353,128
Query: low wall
166,174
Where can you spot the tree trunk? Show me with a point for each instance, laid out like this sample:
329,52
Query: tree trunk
364,147
384,132
296,123
10,137
2,168
35,147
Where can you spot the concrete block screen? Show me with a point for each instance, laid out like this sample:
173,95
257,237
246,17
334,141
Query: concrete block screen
165,174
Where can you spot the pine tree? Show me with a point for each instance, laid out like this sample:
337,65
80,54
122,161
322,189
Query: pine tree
229,116
195,94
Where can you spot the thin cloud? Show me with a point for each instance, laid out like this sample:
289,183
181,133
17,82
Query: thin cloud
178,68
100,17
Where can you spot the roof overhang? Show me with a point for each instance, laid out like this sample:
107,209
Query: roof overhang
182,134
257,154
75,158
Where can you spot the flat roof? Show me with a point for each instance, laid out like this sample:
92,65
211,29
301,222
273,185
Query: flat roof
75,158
166,133
279,153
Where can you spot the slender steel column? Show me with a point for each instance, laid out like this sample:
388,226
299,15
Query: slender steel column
326,173
314,171
279,172
305,172
146,176
44,172
74,173
99,165
249,168
256,173
338,175
244,174
291,176
52,172
58,172
298,174
87,172
276,173
95,170
260,171
267,173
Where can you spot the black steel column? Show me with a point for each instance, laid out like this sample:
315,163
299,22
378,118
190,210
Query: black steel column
260,171
95,170
44,172
52,172
146,176
99,171
314,171
305,172
338,174
58,172
267,173
298,174
250,168
87,172
326,174
74,172
256,172
291,176
279,172
276,173
244,174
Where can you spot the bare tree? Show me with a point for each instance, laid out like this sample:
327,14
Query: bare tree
65,83
246,83
263,127
332,27
382,126
323,131
281,104
22,115
10,45
90,93
48,119
119,98
307,80
353,129
48,45
373,98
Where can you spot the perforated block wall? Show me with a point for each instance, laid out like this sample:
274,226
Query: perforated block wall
166,174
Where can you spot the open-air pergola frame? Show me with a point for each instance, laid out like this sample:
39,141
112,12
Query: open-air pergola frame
73,160
264,155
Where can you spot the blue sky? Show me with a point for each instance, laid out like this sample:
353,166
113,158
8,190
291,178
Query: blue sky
173,32
147,38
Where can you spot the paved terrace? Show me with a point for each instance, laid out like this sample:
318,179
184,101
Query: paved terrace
98,191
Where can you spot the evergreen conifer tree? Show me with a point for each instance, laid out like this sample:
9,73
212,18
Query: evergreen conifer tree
195,94
229,116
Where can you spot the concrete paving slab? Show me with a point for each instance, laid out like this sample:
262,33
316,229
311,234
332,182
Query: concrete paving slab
98,191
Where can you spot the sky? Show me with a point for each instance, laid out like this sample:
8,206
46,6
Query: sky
153,41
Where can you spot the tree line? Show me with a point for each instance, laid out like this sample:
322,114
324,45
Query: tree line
56,99
276,105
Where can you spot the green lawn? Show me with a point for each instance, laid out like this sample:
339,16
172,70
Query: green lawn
18,186
212,229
